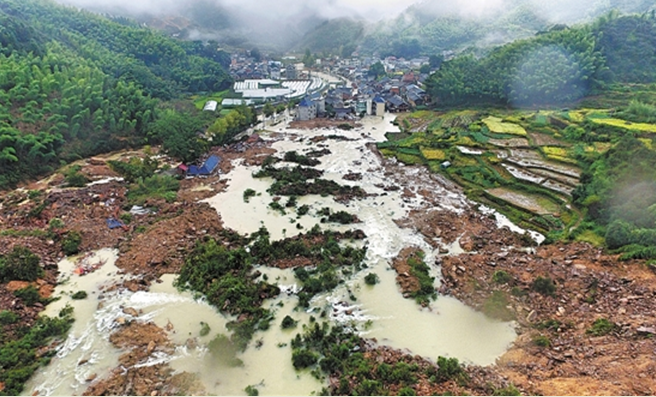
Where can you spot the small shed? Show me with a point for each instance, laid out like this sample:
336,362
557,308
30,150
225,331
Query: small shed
445,165
182,169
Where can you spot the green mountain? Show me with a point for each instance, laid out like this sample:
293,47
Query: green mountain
429,28
74,84
335,36
553,68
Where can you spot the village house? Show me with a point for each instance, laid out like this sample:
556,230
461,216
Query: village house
307,110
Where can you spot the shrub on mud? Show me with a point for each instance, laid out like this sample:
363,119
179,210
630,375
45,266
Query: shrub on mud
20,264
7,317
421,271
541,341
73,177
449,368
544,285
157,186
501,277
19,359
601,327
71,243
29,295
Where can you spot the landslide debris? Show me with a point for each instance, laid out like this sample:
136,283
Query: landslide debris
134,376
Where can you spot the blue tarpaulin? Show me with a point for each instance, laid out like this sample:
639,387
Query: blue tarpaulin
114,224
207,168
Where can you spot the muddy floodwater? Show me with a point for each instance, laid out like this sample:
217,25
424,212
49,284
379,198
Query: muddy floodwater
446,328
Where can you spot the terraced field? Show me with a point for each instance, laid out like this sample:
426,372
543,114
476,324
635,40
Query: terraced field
525,164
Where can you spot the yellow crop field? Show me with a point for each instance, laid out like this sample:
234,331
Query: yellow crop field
466,141
497,125
577,117
599,147
555,151
558,154
647,142
433,154
412,141
641,127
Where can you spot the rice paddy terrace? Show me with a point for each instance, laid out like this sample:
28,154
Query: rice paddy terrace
526,164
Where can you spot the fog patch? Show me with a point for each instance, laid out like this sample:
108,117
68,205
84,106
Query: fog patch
547,75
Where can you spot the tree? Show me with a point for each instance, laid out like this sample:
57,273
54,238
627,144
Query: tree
268,109
435,61
376,70
178,133
255,54
308,59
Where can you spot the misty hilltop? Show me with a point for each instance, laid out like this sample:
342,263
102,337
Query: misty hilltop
338,27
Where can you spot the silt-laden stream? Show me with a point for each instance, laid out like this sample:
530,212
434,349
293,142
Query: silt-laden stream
446,328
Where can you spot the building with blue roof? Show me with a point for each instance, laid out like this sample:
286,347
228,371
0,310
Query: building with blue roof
207,168
379,108
307,110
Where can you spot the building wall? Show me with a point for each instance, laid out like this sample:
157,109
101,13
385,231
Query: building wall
306,113
380,109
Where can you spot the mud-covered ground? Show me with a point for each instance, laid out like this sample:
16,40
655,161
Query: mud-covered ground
557,351
555,354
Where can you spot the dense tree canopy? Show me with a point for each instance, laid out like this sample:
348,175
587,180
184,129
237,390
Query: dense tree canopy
555,67
74,84
552,68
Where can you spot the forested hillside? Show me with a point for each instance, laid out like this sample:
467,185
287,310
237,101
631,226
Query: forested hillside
338,36
608,70
73,84
432,27
556,67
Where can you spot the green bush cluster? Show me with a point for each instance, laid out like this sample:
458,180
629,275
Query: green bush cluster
248,193
157,186
29,295
501,277
8,317
79,295
295,182
299,159
544,285
135,168
288,323
601,327
71,243
18,358
371,279
342,217
20,264
420,270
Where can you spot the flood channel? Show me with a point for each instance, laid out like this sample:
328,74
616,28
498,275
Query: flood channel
446,328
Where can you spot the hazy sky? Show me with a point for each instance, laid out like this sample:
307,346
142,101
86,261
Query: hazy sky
370,9
286,11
